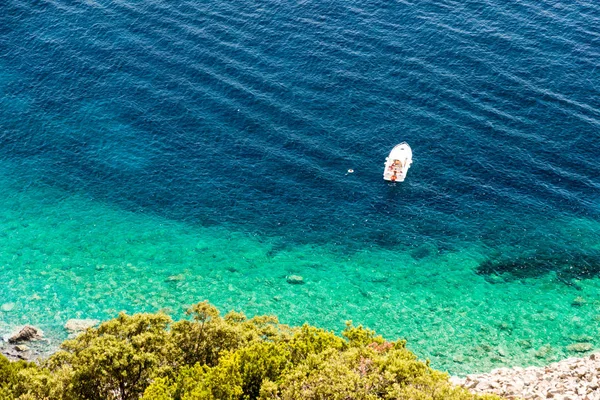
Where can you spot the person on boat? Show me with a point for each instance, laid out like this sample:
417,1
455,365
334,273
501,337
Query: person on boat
397,167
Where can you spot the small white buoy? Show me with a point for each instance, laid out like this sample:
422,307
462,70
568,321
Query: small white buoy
350,171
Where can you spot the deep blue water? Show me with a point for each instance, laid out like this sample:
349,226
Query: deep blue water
248,114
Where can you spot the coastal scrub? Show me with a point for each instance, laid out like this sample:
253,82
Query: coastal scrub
150,357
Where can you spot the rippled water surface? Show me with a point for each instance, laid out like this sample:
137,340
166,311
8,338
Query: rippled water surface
156,153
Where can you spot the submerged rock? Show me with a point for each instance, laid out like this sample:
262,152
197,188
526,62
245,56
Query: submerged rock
579,347
581,338
26,334
378,277
175,278
6,307
543,351
79,325
423,251
459,359
524,343
578,302
295,280
505,326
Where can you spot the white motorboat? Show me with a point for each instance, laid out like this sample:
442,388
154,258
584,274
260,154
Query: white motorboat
398,163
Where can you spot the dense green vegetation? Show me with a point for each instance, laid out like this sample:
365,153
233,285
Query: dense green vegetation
150,357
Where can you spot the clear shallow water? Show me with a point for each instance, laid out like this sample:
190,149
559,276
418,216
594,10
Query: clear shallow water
155,155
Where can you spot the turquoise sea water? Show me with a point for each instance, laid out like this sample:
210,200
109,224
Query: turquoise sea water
154,155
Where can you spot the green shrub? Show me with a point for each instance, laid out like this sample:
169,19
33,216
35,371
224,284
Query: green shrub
11,377
207,335
221,382
258,362
326,375
118,359
159,389
43,384
358,336
365,373
310,340
209,357
7,374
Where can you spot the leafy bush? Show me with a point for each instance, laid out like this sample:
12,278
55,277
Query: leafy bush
12,375
209,357
119,359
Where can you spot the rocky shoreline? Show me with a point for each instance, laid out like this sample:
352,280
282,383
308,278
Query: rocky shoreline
29,343
570,379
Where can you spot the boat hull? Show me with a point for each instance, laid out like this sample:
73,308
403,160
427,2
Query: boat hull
397,163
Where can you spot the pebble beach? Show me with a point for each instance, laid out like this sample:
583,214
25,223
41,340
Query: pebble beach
570,379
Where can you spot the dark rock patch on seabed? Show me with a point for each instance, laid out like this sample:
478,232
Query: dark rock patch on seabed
566,266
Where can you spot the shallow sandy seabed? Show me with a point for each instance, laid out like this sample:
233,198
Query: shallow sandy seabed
68,257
